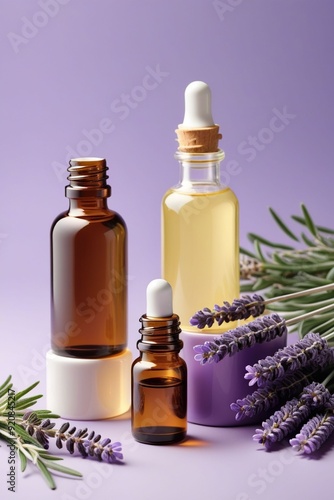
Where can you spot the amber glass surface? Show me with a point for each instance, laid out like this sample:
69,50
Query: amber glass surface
159,398
88,281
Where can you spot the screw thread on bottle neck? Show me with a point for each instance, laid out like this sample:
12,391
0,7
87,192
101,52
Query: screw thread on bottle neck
160,334
88,178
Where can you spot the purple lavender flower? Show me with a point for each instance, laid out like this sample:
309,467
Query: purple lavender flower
103,450
258,331
314,433
203,318
316,395
37,428
282,423
106,451
276,392
286,420
89,445
242,308
312,350
73,439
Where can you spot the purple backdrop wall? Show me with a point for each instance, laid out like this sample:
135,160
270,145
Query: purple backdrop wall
106,78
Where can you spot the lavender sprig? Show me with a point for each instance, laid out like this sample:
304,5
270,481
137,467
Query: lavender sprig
26,446
315,432
37,428
316,395
312,350
104,450
242,308
258,331
286,420
87,445
282,423
252,305
275,393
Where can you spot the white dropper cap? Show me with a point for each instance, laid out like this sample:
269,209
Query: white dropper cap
197,106
159,299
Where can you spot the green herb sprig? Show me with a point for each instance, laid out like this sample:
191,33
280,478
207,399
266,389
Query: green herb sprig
28,433
27,447
277,269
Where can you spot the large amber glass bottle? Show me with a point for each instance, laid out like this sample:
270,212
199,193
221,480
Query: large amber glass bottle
88,268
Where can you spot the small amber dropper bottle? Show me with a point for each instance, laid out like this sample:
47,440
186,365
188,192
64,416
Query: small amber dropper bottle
89,365
159,375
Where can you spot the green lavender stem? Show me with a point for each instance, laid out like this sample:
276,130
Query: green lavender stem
29,433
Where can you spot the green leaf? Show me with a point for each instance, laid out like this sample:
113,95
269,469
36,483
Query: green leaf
283,290
259,251
63,469
244,251
23,460
262,283
43,414
27,402
307,240
287,306
282,225
46,455
246,287
311,280
326,327
322,266
319,256
255,237
313,324
5,386
48,477
323,250
308,221
316,300
322,229
277,258
19,395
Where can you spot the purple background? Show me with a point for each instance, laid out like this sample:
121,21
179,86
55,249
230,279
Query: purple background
66,67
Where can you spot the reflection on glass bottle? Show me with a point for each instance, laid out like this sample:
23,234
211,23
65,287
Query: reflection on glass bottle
88,268
200,217
159,382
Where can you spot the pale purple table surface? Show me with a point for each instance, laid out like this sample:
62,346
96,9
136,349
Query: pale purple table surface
216,463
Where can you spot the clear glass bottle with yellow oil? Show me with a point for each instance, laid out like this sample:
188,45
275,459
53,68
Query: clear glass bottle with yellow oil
200,217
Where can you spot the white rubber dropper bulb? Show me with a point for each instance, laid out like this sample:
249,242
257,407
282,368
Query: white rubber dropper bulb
197,106
159,299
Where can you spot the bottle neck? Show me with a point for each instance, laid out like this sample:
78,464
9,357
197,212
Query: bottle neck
160,358
88,189
200,172
160,335
87,206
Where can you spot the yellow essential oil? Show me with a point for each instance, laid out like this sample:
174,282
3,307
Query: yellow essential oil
200,217
200,250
